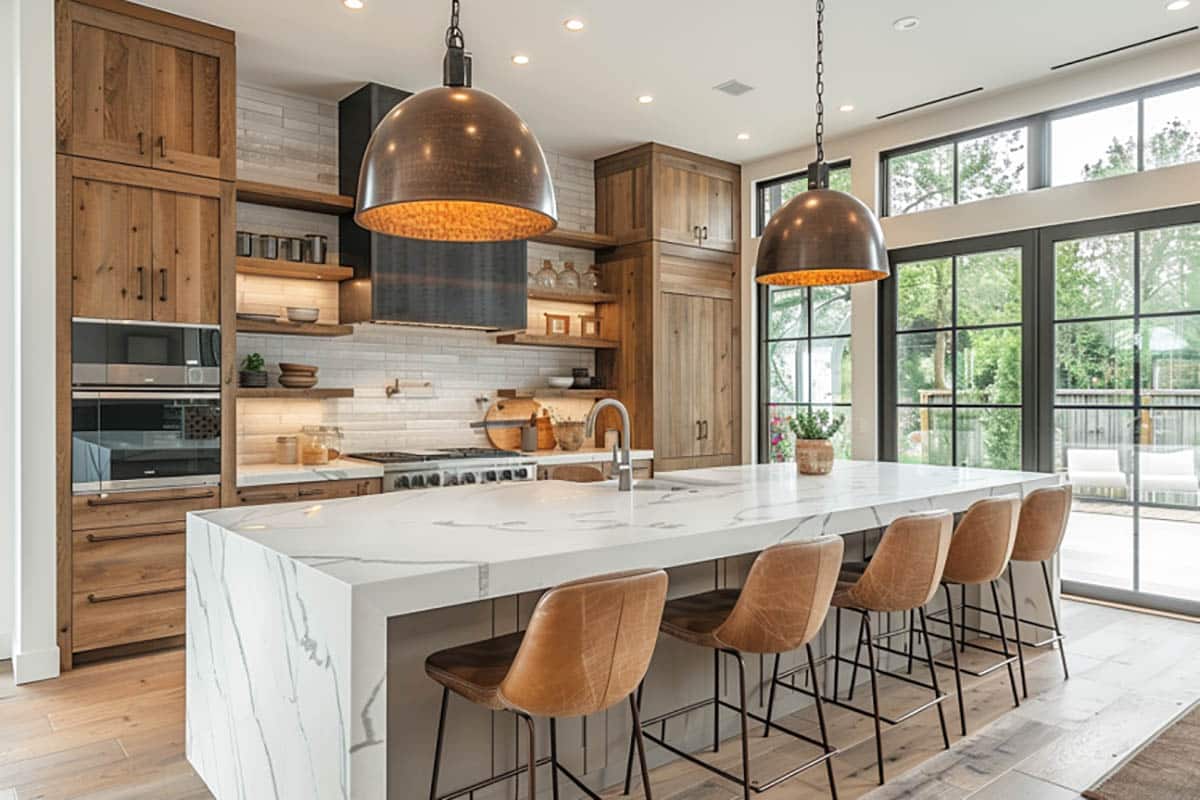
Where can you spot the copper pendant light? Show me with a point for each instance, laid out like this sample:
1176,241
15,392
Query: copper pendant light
455,164
821,237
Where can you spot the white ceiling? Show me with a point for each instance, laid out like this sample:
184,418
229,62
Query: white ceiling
579,91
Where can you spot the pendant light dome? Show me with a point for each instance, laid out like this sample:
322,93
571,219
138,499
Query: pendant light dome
821,237
455,164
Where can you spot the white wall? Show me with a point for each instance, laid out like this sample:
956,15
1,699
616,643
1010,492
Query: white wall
8,262
1162,188
28,339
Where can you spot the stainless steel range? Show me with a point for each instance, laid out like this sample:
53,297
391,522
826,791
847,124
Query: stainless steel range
449,466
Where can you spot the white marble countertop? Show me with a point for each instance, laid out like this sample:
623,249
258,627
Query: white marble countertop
342,469
421,549
584,455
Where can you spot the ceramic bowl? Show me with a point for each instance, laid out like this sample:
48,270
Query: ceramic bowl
561,383
303,314
297,369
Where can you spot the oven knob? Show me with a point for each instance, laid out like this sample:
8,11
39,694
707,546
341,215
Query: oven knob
490,475
435,480
506,475
401,482
451,479
522,473
469,477
418,481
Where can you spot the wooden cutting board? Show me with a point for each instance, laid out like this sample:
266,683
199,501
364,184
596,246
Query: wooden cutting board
519,409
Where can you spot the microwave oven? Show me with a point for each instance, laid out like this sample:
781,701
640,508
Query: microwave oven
145,354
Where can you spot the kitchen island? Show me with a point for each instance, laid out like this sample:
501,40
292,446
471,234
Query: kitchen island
308,623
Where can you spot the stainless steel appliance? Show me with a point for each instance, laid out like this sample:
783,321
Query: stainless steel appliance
450,466
144,439
141,354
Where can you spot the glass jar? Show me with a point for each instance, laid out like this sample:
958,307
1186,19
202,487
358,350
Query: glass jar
314,447
568,279
590,281
547,277
286,449
334,440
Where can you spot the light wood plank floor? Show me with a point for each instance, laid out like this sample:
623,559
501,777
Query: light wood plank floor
115,730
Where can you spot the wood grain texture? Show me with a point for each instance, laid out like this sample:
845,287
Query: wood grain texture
157,506
228,317
268,194
292,328
276,268
311,490
64,259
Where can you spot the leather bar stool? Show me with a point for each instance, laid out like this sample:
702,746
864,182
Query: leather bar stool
979,554
902,576
586,648
781,607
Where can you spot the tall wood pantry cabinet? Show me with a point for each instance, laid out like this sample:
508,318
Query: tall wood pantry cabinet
145,187
676,216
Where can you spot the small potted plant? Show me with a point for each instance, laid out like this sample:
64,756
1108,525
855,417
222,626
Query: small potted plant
253,372
813,430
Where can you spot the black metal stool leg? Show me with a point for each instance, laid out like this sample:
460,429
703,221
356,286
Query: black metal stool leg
912,640
812,671
553,757
1062,650
641,745
1012,678
933,677
716,701
837,652
437,748
857,654
962,632
637,733
1012,593
532,755
745,724
866,628
771,697
962,713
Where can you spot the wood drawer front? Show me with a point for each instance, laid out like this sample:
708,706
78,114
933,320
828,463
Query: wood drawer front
117,509
262,495
135,614
114,558
310,490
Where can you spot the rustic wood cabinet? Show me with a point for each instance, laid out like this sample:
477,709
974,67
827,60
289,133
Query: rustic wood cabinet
310,490
137,91
140,251
653,192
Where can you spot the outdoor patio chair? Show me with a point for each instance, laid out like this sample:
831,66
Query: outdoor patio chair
1089,468
1173,471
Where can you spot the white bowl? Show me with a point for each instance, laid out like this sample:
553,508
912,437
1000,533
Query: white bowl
303,314
561,383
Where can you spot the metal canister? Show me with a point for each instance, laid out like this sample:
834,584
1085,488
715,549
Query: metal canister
318,248
292,248
245,244
268,246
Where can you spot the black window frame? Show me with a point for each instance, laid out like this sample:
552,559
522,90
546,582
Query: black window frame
764,186
1038,141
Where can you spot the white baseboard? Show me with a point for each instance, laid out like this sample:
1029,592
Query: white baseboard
38,665
5,646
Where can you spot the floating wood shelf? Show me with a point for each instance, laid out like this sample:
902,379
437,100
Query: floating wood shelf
292,328
523,394
302,394
277,268
572,297
542,340
269,194
580,239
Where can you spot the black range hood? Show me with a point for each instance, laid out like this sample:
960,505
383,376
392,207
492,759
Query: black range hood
455,284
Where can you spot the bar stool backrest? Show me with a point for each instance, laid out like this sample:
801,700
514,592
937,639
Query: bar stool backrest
786,597
1043,523
907,566
587,646
983,541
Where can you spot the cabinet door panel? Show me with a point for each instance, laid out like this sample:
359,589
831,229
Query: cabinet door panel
193,290
101,263
141,254
677,428
186,111
720,214
704,343
675,192
720,420
111,84
164,256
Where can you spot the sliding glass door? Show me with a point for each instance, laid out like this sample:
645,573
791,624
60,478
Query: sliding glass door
1124,401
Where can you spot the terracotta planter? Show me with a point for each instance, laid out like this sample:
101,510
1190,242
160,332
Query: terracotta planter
814,456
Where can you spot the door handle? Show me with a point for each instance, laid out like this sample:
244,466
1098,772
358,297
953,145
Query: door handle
108,598
121,501
260,498
141,143
696,232
704,232
310,492
162,295
141,273
699,429
162,147
97,538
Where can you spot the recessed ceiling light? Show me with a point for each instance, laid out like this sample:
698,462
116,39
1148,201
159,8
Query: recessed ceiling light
646,98
521,60
743,137
353,5
906,23
573,24
846,107
1178,5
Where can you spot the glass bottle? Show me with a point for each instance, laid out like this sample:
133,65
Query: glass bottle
568,279
590,281
547,277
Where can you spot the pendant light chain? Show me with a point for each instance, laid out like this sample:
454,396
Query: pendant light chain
820,81
454,34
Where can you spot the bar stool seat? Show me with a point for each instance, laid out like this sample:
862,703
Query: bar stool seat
476,670
696,618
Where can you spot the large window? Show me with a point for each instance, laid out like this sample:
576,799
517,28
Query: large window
1154,127
954,334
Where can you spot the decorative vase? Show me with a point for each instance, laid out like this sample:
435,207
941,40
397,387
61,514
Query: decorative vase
569,435
814,456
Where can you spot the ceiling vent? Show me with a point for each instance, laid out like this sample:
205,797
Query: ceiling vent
928,103
1123,48
733,87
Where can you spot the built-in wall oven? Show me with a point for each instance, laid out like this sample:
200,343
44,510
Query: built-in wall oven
145,406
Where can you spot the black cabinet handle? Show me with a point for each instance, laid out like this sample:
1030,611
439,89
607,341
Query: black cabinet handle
162,146
311,492
120,501
141,143
699,429
141,275
97,538
162,295
704,232
108,598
